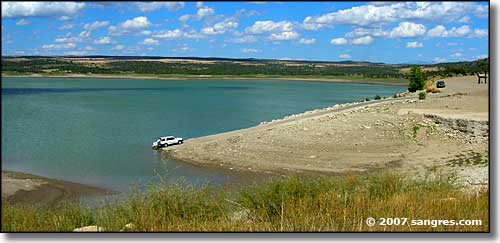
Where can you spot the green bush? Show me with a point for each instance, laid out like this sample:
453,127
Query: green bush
422,95
377,97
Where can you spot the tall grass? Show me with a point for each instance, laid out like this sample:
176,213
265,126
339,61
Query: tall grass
288,204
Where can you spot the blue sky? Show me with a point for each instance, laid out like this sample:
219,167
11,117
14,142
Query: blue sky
390,32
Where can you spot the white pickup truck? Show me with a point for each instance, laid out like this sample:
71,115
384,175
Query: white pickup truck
166,141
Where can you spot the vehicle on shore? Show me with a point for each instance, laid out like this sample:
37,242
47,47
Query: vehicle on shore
166,141
440,84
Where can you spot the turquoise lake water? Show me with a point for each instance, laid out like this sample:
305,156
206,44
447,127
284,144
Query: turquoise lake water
99,131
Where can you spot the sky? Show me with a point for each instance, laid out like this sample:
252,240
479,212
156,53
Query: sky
389,32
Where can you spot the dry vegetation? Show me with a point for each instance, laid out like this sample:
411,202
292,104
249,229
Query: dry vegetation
291,204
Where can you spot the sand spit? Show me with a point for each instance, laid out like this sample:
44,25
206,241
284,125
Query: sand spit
20,187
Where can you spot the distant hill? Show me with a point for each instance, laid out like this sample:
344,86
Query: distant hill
199,58
159,65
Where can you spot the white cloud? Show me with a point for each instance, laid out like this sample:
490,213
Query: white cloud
438,31
66,18
244,39
457,55
407,30
376,15
177,34
192,34
221,27
279,31
68,39
151,6
118,47
60,46
360,31
307,41
439,59
246,13
286,35
250,50
344,56
23,22
150,41
311,23
465,19
414,44
480,33
462,31
268,26
95,25
40,9
89,48
339,41
104,41
134,25
366,40
66,27
481,11
184,17
169,34
204,12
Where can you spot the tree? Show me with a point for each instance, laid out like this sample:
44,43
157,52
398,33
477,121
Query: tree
482,66
417,80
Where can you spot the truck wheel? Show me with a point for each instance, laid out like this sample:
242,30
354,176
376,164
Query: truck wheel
180,142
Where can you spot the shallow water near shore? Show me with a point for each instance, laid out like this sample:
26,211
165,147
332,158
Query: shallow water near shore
99,131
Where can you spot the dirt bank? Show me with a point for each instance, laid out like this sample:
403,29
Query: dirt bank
215,77
20,187
404,134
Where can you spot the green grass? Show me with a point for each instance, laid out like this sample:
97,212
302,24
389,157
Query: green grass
469,158
289,204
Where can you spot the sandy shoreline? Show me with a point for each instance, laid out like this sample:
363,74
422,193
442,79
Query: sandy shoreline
205,77
18,187
404,134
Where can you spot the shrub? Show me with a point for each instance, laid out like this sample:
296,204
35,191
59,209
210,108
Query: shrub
432,90
367,99
421,95
377,97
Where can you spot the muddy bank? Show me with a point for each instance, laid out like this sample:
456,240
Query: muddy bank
391,133
18,187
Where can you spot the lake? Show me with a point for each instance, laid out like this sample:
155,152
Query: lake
99,131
